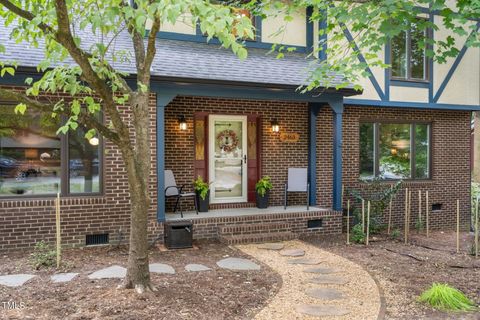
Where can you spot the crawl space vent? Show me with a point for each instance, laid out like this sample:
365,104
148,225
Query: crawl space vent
96,239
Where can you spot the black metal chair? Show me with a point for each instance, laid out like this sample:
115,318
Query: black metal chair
173,191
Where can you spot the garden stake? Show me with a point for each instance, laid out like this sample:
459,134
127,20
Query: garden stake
427,210
476,229
368,222
409,211
458,226
348,221
419,210
406,210
363,215
390,211
57,220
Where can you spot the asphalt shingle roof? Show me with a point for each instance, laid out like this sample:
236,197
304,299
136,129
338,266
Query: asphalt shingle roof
184,59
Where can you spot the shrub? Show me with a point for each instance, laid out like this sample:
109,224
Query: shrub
395,234
263,185
357,235
444,297
43,255
201,187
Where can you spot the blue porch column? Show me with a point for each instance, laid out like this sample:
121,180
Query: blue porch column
313,110
337,107
162,101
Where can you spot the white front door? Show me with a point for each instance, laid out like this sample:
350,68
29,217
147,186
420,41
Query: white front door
227,158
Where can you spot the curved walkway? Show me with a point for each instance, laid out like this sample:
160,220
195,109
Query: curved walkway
316,284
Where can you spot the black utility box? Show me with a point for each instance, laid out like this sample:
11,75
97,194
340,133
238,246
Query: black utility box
178,234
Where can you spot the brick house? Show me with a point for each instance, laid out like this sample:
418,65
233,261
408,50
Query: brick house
411,122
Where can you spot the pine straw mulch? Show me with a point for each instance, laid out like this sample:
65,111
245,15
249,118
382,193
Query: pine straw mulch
216,294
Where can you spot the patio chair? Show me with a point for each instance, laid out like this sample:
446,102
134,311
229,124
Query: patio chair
297,182
173,191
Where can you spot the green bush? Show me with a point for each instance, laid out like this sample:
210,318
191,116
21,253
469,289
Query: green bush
357,235
43,255
444,297
201,187
263,185
395,234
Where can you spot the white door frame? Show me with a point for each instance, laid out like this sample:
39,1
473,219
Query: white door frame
211,157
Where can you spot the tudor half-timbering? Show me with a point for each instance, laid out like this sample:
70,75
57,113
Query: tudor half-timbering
212,116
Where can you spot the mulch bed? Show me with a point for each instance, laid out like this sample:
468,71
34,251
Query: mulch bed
404,272
217,294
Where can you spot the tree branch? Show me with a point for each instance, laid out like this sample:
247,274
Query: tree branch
26,15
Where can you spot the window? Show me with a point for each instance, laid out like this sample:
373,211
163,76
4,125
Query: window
395,150
408,58
33,159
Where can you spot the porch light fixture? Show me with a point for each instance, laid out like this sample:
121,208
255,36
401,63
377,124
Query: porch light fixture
94,141
275,126
182,123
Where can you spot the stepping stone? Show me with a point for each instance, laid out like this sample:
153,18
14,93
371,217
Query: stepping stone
63,277
15,280
161,268
196,267
271,246
324,293
292,252
322,311
238,264
320,270
113,272
328,280
304,261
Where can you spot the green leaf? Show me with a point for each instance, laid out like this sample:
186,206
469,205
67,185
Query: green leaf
20,108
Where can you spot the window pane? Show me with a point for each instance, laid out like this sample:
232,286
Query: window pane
29,153
417,60
84,163
367,162
399,56
394,153
422,148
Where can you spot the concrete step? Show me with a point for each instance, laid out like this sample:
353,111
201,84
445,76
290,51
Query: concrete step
254,228
257,238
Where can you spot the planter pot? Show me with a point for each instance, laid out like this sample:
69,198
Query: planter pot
203,204
262,202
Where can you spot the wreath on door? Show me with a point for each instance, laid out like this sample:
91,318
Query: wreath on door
227,140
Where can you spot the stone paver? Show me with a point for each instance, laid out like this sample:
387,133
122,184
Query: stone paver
113,272
320,270
324,293
271,246
15,280
304,261
326,279
322,311
161,268
238,264
292,252
193,267
63,277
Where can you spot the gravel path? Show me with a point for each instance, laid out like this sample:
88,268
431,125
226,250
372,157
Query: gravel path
360,295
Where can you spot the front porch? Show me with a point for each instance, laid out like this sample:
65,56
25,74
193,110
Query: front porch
244,225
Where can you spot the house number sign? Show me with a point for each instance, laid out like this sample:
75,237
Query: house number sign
289,137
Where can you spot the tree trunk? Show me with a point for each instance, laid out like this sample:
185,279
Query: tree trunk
138,165
476,147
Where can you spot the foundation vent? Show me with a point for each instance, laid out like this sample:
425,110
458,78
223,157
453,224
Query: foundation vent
436,207
314,224
96,239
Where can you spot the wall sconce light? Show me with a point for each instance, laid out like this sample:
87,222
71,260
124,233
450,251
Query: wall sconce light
182,123
275,126
94,141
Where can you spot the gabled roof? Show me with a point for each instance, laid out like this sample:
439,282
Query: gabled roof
188,60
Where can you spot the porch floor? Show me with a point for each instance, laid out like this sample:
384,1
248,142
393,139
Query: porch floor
235,212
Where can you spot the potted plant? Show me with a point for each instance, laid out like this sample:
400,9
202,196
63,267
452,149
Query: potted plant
202,194
262,188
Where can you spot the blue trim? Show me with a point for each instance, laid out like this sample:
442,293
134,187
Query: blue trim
453,68
412,105
162,101
314,109
337,107
411,84
372,78
309,22
388,61
323,39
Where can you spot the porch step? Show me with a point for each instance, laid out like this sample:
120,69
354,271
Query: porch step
254,228
257,238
